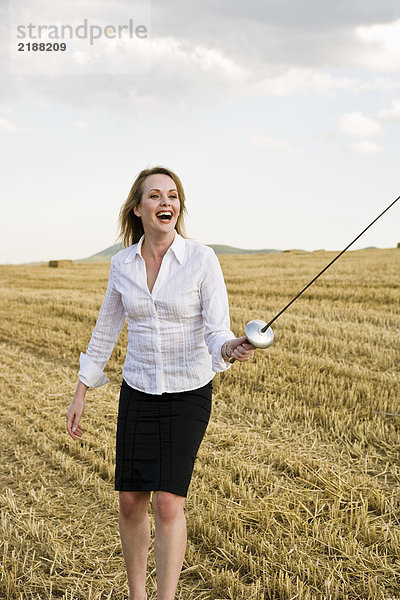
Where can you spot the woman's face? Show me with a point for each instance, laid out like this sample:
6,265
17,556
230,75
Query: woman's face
159,207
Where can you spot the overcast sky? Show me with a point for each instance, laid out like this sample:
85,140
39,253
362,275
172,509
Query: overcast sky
282,119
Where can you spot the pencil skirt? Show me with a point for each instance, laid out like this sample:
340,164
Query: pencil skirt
158,436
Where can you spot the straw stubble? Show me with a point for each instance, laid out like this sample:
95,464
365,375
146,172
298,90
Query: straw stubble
295,492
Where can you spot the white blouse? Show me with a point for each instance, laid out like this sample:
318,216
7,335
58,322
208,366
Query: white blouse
175,333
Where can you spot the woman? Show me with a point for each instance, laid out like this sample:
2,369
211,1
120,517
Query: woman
172,293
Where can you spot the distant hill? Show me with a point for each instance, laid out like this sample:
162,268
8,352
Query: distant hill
103,255
107,253
218,249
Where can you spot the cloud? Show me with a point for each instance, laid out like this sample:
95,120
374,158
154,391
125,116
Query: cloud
307,33
366,147
216,56
183,77
391,114
9,127
271,143
358,125
81,124
378,84
382,45
296,80
173,54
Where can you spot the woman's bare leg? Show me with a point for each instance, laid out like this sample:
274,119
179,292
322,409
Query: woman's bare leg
134,528
170,541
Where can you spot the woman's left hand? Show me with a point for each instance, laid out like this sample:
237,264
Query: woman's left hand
240,349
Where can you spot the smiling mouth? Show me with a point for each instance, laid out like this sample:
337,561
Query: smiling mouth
164,215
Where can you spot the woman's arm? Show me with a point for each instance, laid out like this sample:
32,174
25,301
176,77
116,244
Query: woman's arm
109,324
75,411
220,340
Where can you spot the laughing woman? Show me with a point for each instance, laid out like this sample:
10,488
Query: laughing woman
171,291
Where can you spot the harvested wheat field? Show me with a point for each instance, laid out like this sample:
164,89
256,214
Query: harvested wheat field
295,492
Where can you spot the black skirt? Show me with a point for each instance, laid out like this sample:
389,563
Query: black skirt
158,436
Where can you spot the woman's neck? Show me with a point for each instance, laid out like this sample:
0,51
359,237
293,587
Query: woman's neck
154,247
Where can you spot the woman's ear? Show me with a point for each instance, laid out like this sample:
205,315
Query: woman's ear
136,211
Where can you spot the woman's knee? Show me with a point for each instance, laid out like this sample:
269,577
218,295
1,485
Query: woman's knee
133,504
167,506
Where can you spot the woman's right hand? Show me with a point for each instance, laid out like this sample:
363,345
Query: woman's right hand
75,411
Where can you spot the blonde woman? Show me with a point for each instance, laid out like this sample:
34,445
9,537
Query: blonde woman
171,291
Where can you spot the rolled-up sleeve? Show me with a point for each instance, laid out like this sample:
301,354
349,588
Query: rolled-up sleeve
215,311
109,324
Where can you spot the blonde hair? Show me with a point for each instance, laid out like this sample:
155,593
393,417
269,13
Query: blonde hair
130,226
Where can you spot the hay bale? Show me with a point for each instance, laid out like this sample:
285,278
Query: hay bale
60,263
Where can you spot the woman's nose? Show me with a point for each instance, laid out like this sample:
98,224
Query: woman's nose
164,199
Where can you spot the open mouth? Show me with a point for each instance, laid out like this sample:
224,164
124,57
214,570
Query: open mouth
165,215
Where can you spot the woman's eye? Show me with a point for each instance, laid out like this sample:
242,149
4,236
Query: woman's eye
171,197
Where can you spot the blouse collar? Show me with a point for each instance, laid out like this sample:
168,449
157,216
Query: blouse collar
177,247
